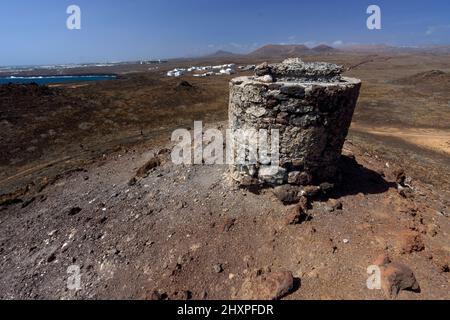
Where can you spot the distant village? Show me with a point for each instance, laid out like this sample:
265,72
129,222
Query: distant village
207,71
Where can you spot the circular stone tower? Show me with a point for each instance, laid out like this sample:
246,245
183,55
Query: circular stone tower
309,104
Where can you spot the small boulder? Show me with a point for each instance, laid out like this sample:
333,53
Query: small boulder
400,177
149,165
263,69
405,192
271,286
296,216
272,175
287,194
218,268
298,213
157,296
73,211
132,182
266,79
299,178
310,191
396,277
326,187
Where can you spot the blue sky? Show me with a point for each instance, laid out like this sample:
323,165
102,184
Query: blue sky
34,32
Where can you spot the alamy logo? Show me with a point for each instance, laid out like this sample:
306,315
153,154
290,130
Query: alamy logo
374,280
74,279
242,146
74,20
374,20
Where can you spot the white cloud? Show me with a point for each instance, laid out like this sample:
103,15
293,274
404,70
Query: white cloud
311,44
433,29
292,39
236,45
430,30
338,43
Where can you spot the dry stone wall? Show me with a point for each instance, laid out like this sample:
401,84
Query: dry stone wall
310,104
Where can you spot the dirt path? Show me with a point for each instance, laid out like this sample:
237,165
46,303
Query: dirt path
432,139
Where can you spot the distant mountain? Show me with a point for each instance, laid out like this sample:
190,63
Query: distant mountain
221,54
323,48
369,48
290,50
299,50
439,50
383,48
278,50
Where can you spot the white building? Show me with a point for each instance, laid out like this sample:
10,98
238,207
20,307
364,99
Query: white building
176,72
227,71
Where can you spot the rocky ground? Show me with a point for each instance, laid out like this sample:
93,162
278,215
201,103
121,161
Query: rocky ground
176,232
141,227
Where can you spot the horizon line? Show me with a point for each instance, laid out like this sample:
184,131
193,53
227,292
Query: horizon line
336,47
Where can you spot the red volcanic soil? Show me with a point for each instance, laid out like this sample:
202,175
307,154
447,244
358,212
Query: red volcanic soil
185,232
86,180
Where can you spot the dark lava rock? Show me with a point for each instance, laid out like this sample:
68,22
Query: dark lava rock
132,182
73,211
149,165
297,215
400,177
326,187
184,85
287,194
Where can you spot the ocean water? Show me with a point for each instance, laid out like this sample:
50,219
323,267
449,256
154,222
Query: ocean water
55,79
